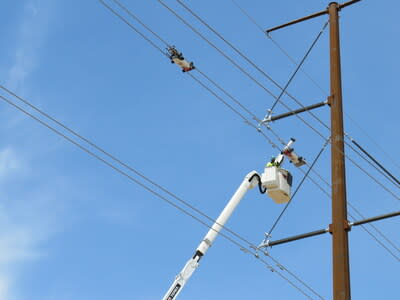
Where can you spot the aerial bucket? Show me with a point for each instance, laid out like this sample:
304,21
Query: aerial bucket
278,183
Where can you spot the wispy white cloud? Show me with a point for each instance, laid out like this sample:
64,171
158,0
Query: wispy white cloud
118,216
31,33
5,288
28,217
29,213
9,163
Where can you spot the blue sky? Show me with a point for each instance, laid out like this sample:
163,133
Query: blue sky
72,228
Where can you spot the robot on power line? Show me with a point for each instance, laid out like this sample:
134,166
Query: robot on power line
176,57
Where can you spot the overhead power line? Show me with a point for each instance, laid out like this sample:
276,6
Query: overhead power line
372,164
159,49
236,101
299,66
315,83
219,98
140,22
216,48
297,189
384,151
375,161
133,27
287,107
376,239
152,191
242,69
247,121
283,89
252,246
278,46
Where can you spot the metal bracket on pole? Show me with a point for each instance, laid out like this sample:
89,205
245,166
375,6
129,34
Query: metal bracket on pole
265,242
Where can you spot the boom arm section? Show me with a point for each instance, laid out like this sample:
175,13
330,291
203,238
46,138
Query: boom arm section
249,182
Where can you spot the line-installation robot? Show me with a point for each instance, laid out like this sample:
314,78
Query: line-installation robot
275,180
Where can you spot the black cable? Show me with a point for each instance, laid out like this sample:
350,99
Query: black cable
369,162
262,191
375,161
395,163
298,187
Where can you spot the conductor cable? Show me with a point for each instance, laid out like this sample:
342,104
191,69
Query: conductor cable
261,132
316,131
324,92
85,149
283,90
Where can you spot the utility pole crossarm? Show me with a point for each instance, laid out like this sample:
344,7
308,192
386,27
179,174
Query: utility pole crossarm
321,13
297,237
348,3
312,16
295,112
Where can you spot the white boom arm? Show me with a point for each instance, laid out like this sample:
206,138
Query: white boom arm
248,183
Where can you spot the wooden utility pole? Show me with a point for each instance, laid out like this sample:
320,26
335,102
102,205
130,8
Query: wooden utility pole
340,226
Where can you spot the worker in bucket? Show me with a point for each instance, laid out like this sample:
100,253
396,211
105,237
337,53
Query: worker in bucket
273,162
